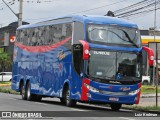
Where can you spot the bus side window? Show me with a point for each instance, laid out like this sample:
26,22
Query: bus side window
77,57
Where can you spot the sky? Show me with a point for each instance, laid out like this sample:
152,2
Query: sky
34,12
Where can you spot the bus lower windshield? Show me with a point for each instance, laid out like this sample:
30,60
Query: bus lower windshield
114,35
117,66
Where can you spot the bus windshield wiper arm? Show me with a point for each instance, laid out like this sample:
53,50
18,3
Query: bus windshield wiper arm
126,34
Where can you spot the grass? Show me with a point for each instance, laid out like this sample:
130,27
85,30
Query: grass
10,91
5,82
5,87
149,89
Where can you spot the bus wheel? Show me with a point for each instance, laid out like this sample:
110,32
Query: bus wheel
30,96
115,106
69,102
23,91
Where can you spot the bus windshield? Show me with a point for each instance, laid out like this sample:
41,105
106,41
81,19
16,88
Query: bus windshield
114,35
114,66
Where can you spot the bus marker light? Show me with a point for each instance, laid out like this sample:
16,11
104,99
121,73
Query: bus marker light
85,49
150,53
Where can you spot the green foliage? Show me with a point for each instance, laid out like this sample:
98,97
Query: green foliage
10,91
149,89
5,83
5,62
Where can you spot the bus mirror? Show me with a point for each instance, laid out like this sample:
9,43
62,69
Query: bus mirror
85,49
150,53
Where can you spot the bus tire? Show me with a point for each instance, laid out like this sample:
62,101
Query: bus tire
115,106
30,97
23,91
69,102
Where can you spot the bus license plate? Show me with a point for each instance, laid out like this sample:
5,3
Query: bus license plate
113,99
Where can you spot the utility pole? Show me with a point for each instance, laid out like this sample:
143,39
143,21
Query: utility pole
156,80
19,15
20,12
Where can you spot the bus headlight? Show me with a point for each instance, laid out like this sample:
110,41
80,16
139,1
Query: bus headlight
91,88
134,92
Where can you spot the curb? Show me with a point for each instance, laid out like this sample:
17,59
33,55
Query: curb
149,96
140,110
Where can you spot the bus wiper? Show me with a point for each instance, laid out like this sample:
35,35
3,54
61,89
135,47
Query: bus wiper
126,34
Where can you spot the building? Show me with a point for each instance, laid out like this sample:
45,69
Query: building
7,35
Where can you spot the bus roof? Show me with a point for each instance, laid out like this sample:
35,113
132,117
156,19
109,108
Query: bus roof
95,19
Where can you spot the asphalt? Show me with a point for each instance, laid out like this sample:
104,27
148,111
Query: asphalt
52,106
145,101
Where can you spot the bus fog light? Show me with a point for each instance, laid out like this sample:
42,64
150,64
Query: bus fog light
134,92
91,88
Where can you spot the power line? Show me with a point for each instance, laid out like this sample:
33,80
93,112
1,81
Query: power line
139,13
132,6
137,9
39,1
99,7
86,10
12,2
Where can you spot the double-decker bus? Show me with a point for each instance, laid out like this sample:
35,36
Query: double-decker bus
96,59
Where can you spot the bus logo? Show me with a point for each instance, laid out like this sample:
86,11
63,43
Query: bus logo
61,55
101,53
124,88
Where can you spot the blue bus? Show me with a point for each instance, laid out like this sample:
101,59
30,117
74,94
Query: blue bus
79,58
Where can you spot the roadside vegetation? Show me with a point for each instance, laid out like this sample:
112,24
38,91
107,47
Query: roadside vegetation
5,62
5,83
5,87
146,89
7,90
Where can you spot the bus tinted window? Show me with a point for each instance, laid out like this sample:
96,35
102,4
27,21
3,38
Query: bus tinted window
45,35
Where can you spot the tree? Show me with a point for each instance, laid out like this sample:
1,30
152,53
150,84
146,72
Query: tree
5,62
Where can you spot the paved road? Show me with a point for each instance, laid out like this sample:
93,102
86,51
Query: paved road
9,102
